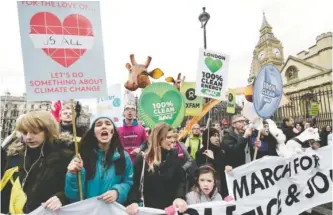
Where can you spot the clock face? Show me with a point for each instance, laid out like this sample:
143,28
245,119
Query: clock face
277,52
261,55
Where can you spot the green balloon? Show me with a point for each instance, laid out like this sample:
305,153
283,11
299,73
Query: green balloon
161,102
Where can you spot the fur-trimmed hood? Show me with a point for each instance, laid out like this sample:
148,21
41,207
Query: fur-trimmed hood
16,146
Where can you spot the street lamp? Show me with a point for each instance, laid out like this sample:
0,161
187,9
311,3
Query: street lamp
203,18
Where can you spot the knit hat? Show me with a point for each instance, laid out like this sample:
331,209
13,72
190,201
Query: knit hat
97,117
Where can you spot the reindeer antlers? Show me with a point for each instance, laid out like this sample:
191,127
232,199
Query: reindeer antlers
134,62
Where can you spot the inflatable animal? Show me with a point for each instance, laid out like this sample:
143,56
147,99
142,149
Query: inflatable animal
139,75
302,141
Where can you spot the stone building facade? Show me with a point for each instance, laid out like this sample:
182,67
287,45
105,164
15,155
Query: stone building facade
307,77
11,107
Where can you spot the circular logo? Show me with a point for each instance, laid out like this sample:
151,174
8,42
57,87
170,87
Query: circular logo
161,102
190,94
116,102
230,97
267,91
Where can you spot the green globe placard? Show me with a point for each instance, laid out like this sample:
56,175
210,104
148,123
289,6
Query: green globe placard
161,102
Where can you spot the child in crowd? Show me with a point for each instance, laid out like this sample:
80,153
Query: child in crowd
205,188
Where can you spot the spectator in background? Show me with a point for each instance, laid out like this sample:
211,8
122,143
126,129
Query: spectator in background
66,127
217,126
324,134
132,134
288,128
306,125
299,127
225,124
194,142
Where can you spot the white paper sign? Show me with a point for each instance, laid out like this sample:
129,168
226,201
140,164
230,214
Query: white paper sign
212,74
112,104
62,49
276,185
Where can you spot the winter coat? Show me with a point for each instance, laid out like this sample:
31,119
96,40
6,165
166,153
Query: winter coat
268,146
103,181
47,178
323,138
196,196
234,146
68,128
132,137
289,132
161,187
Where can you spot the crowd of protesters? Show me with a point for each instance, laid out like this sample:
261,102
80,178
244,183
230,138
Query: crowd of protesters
131,165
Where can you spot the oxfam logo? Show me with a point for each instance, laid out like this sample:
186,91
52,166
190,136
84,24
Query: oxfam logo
116,102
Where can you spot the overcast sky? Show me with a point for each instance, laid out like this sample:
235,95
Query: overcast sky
170,32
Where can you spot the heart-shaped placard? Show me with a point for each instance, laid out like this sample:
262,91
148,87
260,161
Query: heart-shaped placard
161,102
213,65
49,26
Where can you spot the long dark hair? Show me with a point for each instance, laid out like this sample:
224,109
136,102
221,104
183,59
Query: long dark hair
203,170
89,147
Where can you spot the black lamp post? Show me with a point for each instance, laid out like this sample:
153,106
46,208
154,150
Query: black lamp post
203,18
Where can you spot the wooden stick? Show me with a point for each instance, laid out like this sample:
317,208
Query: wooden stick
76,148
256,148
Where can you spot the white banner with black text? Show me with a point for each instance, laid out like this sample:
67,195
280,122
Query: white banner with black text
282,186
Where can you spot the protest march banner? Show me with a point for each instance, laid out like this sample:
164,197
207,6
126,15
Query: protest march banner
212,74
284,186
62,50
231,104
193,103
161,102
112,104
94,206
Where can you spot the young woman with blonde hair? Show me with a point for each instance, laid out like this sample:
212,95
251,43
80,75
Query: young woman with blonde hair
158,176
42,164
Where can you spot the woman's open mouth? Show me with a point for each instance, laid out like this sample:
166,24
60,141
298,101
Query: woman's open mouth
105,135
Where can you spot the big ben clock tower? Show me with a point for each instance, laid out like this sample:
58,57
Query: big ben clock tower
268,50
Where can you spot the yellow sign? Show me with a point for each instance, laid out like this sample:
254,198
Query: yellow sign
314,109
193,103
231,105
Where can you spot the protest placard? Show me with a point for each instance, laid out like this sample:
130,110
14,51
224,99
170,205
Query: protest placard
193,103
212,74
112,105
62,49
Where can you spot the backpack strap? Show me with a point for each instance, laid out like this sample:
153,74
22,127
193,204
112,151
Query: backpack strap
8,176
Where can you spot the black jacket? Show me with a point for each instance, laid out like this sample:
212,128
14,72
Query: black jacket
290,134
234,146
47,177
218,163
163,186
323,138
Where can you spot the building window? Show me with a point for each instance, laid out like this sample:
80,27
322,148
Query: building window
291,73
32,106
